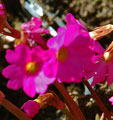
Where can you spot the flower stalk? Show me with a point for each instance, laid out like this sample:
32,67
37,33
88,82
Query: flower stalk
74,109
67,113
12,108
99,102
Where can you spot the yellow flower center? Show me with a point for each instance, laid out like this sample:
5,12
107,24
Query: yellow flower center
62,54
31,67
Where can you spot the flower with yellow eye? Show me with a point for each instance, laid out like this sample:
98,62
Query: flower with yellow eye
26,70
73,52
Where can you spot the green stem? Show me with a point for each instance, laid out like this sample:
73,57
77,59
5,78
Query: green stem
14,110
99,102
73,107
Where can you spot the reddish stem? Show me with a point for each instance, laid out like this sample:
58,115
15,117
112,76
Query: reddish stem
14,110
67,113
99,102
73,107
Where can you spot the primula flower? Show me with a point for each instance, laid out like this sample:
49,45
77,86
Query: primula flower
26,70
111,100
31,108
72,52
33,30
103,65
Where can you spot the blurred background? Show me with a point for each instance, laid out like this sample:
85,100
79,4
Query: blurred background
92,13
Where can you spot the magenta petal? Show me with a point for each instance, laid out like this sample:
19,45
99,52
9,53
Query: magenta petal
70,35
67,73
72,21
50,68
34,36
42,31
11,71
79,57
29,86
37,22
98,48
63,75
11,56
49,54
111,100
99,73
31,108
110,74
97,58
21,52
42,82
57,42
15,83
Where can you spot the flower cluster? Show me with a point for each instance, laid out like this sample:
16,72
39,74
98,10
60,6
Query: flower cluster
73,55
70,57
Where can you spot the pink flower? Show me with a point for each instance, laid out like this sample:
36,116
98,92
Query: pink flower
103,65
26,70
72,52
111,100
33,29
31,108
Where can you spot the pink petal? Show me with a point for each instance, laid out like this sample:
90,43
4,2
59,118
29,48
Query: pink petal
74,29
49,54
70,35
29,86
97,58
37,53
20,53
15,83
57,42
110,74
111,100
42,82
11,71
72,21
43,31
98,48
50,68
99,73
79,57
11,57
34,36
68,73
37,22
